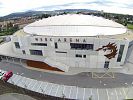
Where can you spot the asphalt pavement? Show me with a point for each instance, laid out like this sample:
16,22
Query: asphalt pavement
83,80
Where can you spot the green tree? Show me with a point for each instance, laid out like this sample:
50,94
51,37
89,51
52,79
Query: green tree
45,16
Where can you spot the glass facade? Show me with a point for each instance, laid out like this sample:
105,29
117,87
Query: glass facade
106,64
79,46
120,53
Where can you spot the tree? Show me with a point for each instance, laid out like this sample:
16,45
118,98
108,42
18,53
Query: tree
45,16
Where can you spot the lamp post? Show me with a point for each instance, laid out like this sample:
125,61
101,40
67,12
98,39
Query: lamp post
63,96
127,89
90,98
42,91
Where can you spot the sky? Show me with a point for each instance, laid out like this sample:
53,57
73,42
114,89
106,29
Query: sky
113,6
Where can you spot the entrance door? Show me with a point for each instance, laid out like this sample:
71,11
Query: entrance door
106,64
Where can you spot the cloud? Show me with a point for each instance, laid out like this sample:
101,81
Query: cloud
1,5
107,6
115,6
130,6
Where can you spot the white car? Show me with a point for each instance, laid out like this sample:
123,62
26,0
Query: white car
2,73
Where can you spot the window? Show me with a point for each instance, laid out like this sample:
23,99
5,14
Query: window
60,52
84,56
36,52
41,39
56,45
79,46
78,55
39,44
23,51
17,44
106,64
36,39
120,53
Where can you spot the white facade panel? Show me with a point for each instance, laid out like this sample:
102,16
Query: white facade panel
101,58
67,56
100,64
87,61
93,61
64,46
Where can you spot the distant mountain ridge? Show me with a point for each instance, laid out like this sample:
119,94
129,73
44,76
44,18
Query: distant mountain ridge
31,13
21,14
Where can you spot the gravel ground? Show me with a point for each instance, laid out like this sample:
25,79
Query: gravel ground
15,96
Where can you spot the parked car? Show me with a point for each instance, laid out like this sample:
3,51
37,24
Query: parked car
7,75
2,74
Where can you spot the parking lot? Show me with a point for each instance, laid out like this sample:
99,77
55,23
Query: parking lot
36,81
71,92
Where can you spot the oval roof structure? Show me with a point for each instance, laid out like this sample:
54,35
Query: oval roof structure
75,25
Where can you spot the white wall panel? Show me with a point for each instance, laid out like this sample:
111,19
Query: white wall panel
100,64
65,46
93,61
101,58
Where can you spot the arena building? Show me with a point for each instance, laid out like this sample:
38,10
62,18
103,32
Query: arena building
71,44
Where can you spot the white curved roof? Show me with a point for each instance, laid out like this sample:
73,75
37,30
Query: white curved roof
75,25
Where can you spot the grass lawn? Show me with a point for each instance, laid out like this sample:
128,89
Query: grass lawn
130,26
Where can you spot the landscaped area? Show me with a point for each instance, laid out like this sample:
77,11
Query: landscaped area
130,26
8,31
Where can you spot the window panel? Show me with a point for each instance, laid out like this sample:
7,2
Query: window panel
60,52
106,64
39,44
36,52
120,53
79,46
56,45
23,51
17,44
78,55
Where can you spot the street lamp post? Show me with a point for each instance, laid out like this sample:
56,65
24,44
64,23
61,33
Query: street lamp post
42,91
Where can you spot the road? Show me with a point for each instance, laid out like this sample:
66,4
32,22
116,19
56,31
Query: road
83,80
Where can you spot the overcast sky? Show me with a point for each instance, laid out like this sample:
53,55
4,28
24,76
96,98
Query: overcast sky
114,6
